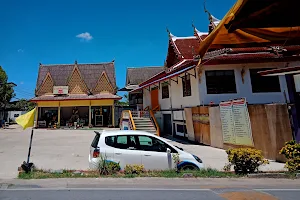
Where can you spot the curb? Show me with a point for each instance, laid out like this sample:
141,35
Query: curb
273,175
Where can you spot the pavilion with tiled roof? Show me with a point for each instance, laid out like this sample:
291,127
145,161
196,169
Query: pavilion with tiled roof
70,94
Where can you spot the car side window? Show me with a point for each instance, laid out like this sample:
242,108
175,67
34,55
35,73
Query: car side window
110,141
148,143
125,142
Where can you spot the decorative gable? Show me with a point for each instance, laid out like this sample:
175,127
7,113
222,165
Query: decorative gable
103,85
76,83
47,85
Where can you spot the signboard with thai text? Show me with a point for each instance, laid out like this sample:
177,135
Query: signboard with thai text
242,125
60,89
236,126
227,122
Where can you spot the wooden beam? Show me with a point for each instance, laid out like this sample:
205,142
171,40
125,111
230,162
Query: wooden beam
194,75
174,80
238,22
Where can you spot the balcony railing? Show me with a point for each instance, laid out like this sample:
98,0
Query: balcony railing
144,114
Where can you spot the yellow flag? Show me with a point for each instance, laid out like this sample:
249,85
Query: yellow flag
26,120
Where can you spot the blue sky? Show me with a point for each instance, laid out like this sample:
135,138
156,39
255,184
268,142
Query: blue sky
132,32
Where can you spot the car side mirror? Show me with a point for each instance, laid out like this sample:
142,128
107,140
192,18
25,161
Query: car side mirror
168,150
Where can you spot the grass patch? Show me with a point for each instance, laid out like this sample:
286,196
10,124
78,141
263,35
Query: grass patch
66,174
204,173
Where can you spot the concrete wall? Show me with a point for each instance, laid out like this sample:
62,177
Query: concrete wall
244,89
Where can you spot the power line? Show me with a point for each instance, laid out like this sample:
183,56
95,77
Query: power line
24,91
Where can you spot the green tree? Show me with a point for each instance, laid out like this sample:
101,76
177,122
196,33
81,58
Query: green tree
24,105
6,89
125,102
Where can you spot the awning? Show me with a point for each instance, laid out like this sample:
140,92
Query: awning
166,77
249,36
280,71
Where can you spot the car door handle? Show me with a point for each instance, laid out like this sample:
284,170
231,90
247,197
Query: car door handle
147,155
118,153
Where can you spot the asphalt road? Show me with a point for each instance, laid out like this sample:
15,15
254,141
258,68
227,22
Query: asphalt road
150,188
147,194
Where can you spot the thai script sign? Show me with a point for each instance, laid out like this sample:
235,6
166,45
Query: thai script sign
60,89
236,126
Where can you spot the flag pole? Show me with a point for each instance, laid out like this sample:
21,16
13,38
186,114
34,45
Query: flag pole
30,143
27,120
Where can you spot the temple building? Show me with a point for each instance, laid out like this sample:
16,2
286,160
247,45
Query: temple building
224,74
76,95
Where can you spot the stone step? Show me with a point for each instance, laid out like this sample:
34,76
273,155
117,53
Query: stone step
145,129
144,125
142,122
148,131
141,118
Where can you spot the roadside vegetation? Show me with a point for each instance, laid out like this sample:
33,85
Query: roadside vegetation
129,173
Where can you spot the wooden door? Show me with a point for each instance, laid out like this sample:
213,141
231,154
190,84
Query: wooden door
154,98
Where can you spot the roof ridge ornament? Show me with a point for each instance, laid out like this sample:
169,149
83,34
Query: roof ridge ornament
212,19
170,34
198,33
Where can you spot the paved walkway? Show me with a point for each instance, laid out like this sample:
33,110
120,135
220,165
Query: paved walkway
217,158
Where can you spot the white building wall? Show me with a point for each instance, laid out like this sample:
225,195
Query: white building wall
12,115
176,99
244,89
176,92
146,98
164,103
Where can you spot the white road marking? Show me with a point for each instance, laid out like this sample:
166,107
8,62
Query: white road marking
111,189
276,189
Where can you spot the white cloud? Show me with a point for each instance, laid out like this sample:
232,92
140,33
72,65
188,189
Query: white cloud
85,36
20,50
22,82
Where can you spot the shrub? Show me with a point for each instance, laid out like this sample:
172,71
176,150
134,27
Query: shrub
106,167
134,169
291,151
245,160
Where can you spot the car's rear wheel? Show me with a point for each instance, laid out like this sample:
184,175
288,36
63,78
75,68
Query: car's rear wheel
188,167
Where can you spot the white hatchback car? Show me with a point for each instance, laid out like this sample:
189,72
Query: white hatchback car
139,147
